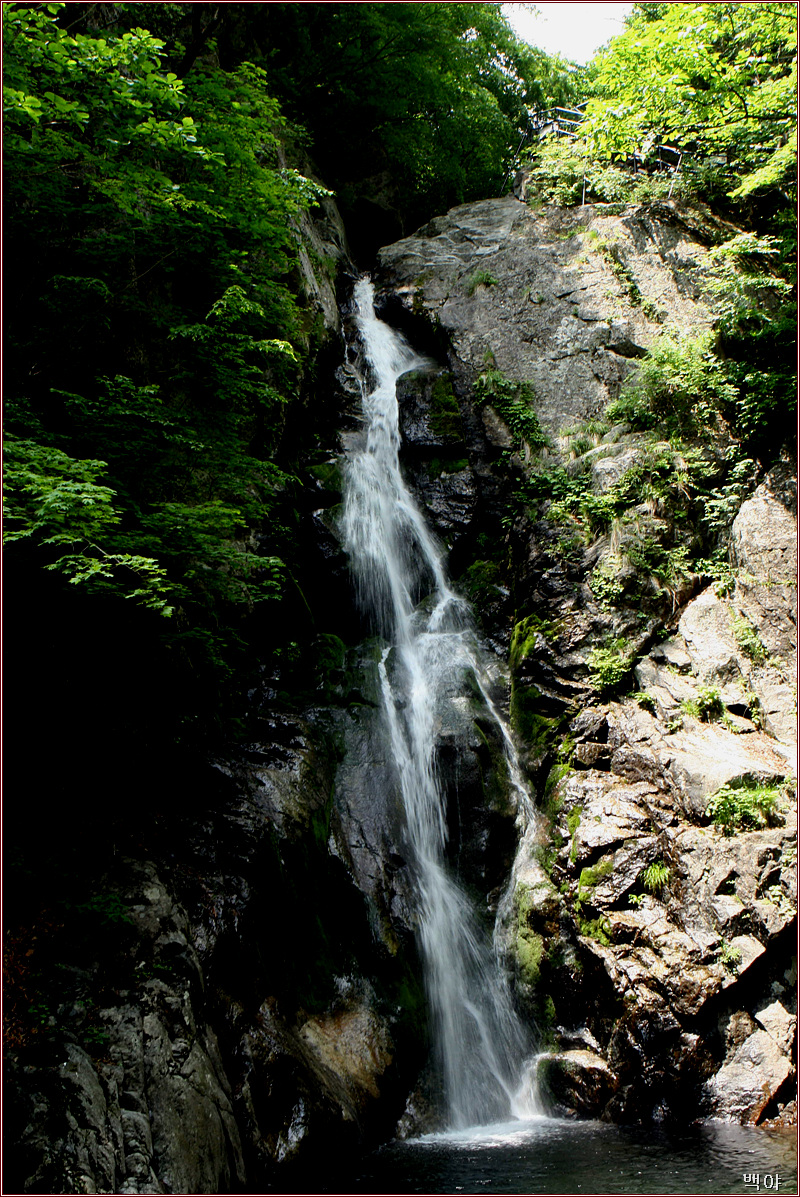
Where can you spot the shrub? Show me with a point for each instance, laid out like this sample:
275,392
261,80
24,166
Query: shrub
655,876
680,382
513,401
743,804
608,666
707,707
749,640
557,173
650,556
598,929
632,407
729,956
481,278
605,583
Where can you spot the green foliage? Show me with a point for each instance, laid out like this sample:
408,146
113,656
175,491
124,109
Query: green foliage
480,581
546,855
54,500
668,475
655,876
108,908
650,555
529,944
228,352
513,401
707,706
740,277
605,583
557,173
717,568
156,352
94,1036
593,875
751,279
480,278
724,72
449,138
748,639
680,382
445,412
632,407
720,81
52,495
741,805
729,956
598,929
566,172
608,666
436,466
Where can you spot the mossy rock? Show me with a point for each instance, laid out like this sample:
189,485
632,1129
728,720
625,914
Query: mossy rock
480,581
436,466
329,474
529,952
538,731
529,945
594,874
496,783
445,416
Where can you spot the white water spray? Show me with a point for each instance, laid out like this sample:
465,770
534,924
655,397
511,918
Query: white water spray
480,1043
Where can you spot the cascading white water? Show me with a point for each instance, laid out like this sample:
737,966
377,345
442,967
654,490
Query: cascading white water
431,651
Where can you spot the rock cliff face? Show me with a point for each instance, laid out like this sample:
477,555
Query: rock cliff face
244,996
662,916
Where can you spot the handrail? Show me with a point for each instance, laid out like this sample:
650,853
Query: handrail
564,122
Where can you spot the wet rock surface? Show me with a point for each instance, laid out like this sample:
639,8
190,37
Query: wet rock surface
148,1107
690,921
556,313
259,1001
631,902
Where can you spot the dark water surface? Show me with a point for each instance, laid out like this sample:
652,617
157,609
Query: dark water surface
550,1155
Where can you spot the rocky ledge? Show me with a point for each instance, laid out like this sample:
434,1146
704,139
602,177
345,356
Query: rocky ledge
652,932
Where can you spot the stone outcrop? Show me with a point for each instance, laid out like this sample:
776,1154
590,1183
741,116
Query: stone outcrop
249,998
634,912
567,300
148,1107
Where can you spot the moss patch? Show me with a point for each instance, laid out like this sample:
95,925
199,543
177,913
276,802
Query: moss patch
529,944
573,823
329,473
445,413
523,637
538,731
593,875
437,466
480,581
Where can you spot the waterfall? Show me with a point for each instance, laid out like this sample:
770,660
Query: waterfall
430,652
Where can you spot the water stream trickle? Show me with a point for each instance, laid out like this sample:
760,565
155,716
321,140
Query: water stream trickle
431,652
